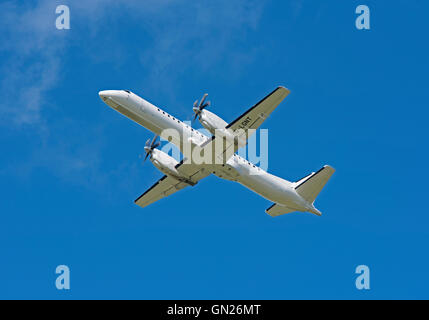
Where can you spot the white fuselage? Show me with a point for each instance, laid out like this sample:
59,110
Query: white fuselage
236,168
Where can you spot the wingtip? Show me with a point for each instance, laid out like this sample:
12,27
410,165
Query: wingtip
327,166
283,88
270,214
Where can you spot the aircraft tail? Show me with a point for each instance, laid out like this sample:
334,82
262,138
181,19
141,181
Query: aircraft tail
310,186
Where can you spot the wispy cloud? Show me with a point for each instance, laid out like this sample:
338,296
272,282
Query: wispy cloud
183,34
30,60
297,6
199,35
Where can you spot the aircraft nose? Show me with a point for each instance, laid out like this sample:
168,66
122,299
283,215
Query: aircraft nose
106,94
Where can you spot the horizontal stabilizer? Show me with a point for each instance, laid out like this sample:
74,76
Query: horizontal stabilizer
310,186
277,210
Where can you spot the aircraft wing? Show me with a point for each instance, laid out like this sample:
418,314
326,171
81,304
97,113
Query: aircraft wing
241,128
167,185
256,115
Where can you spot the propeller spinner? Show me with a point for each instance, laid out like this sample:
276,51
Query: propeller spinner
150,146
199,107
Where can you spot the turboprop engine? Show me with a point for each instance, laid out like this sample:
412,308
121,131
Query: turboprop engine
216,125
163,162
208,119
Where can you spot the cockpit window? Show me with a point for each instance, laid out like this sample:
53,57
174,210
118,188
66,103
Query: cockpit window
127,91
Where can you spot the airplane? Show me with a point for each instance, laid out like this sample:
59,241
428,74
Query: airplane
286,196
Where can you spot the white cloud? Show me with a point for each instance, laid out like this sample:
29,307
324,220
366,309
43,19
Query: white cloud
183,33
30,64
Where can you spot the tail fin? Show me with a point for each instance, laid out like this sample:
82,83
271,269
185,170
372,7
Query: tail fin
310,186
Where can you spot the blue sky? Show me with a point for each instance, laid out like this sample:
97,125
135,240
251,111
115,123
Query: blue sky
70,166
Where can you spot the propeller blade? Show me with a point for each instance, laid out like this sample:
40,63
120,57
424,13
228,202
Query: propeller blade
153,141
150,145
198,107
205,105
203,99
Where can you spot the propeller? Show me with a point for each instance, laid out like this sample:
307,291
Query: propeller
150,145
199,107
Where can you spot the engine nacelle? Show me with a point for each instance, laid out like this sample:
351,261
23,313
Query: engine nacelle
217,127
211,122
167,165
